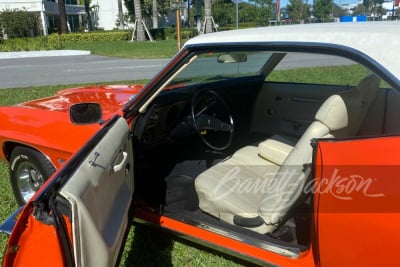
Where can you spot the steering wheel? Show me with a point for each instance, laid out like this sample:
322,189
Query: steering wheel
212,119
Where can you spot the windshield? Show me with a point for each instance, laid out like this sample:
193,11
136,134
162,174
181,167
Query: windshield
211,67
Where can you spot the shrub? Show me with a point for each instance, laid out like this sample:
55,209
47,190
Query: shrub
26,44
55,41
90,36
18,23
170,33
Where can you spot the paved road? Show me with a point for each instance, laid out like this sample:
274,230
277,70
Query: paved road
37,71
300,60
24,72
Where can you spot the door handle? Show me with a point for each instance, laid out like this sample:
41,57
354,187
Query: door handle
118,167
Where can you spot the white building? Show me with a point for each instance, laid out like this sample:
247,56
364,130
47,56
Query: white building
48,10
349,7
104,12
389,7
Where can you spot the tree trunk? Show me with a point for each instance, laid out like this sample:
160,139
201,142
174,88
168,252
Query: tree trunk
88,15
140,34
120,15
208,16
155,14
63,28
198,15
186,17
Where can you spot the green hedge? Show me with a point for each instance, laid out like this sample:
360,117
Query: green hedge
91,36
25,44
55,41
170,33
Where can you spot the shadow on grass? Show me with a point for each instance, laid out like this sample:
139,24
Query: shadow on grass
150,247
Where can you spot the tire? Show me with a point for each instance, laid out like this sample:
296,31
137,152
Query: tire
29,169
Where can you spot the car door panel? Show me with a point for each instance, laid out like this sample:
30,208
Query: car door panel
100,193
356,201
288,108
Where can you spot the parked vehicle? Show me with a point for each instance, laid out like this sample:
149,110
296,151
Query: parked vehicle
277,145
37,137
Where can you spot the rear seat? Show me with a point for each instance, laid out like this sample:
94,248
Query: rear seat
276,148
383,116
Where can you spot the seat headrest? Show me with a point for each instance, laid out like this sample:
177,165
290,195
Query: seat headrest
369,87
334,112
348,108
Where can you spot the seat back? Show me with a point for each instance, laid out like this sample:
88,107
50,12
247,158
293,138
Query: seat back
392,111
340,115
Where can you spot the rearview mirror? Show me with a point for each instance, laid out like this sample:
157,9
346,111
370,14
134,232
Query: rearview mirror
85,113
232,58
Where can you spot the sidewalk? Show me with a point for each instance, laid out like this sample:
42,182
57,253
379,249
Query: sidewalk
47,53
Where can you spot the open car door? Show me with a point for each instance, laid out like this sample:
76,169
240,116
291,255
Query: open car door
357,197
81,217
100,193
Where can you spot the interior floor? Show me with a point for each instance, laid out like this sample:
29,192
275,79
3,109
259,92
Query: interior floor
180,202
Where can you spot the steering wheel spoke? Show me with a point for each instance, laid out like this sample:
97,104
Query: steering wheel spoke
207,122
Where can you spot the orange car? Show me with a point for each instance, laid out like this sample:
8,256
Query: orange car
37,137
276,145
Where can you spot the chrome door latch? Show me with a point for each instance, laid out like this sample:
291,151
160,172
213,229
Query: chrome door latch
93,161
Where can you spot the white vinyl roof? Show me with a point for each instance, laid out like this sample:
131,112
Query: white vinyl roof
379,40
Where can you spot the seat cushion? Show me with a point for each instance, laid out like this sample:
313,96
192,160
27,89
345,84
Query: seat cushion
274,151
276,148
231,188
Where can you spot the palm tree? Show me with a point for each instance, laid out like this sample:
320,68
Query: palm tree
63,28
198,15
208,17
88,15
120,15
155,15
140,33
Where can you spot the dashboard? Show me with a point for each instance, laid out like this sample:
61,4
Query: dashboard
167,121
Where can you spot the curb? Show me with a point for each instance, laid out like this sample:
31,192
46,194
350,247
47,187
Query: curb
47,53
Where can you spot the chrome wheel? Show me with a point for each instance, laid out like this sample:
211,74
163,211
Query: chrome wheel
29,169
29,179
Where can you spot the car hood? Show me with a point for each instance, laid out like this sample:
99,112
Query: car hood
111,97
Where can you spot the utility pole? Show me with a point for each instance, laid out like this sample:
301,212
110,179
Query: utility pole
177,5
178,26
394,2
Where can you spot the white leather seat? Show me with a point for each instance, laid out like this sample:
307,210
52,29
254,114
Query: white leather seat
274,150
256,192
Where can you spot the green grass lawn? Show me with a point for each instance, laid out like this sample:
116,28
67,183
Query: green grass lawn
126,49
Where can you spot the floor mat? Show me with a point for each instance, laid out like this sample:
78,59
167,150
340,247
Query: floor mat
181,193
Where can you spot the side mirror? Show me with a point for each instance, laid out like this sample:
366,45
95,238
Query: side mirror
85,113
